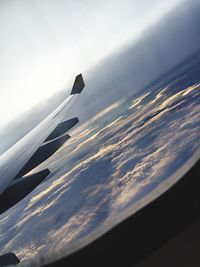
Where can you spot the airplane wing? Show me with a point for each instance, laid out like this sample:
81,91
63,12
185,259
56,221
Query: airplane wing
34,148
8,259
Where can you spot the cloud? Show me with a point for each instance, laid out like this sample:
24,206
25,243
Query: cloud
130,153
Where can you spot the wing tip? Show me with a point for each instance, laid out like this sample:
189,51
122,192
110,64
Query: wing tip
78,85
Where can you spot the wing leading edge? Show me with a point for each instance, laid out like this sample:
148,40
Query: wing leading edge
37,146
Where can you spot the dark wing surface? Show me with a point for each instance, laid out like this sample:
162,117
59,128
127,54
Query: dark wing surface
21,188
8,259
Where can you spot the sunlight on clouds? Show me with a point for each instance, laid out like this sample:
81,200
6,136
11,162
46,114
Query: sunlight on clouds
88,140
45,192
190,89
29,252
176,96
138,101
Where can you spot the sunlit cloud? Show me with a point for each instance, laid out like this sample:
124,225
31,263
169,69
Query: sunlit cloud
137,101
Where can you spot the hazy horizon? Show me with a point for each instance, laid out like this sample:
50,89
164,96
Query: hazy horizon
44,45
145,50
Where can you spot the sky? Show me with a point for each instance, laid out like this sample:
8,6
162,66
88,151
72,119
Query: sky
44,44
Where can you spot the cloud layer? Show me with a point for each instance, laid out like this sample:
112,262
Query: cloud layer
110,163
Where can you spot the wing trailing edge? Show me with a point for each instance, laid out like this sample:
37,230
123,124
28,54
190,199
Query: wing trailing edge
21,188
8,259
62,128
44,152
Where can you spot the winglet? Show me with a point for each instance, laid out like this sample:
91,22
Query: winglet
78,85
